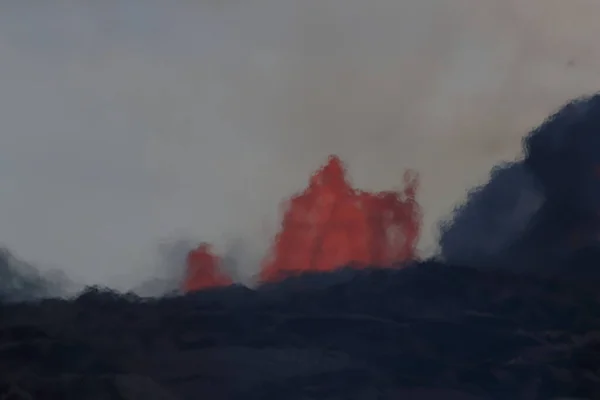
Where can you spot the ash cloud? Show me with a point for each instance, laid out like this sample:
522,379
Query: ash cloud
539,213
20,281
127,121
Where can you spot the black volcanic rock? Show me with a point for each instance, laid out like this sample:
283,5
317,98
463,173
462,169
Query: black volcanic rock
430,331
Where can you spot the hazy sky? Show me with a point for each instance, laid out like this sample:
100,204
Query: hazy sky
126,122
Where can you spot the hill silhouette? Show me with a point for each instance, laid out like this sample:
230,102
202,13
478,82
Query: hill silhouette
429,331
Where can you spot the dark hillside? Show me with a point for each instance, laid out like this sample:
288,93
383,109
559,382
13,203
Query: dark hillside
431,331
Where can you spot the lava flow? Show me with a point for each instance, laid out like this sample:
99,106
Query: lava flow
328,226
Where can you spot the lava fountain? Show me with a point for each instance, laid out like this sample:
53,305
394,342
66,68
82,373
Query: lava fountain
327,226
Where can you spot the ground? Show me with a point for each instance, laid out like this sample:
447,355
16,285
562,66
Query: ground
430,331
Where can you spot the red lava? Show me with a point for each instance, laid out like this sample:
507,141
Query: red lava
203,270
327,226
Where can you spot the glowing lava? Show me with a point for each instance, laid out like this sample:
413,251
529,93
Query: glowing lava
203,270
331,225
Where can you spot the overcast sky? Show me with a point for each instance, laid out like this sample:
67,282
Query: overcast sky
127,122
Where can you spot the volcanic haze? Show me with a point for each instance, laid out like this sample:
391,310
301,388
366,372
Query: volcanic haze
124,123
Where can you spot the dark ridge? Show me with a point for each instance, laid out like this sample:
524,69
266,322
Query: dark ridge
428,331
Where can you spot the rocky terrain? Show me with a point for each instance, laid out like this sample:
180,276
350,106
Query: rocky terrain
431,331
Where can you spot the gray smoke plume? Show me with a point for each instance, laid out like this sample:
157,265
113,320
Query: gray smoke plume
20,281
127,121
540,212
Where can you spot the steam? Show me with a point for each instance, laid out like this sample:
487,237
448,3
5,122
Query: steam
125,122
